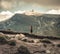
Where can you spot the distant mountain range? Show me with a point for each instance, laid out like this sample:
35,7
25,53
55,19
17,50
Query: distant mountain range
45,24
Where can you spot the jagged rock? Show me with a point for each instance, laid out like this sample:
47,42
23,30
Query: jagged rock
36,41
19,36
24,39
48,51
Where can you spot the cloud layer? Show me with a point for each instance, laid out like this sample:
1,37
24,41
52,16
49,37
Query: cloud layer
53,11
10,4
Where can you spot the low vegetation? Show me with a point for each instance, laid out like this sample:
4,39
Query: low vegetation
6,40
12,42
3,40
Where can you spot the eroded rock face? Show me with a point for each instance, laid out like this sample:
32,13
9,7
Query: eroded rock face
29,45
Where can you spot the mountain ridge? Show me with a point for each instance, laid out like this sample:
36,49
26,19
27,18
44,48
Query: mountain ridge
44,24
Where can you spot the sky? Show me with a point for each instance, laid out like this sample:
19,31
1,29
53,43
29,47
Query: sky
37,5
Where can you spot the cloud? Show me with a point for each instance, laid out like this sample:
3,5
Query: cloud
44,2
10,4
6,5
14,4
6,13
53,11
20,12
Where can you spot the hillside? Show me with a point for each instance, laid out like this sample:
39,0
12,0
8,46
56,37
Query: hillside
46,24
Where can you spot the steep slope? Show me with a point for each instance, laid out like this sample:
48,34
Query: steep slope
47,24
19,22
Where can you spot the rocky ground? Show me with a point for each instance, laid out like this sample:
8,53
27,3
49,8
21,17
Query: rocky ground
25,44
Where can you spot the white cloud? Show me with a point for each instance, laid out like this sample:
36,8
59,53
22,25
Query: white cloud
5,15
53,11
6,12
6,5
20,12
